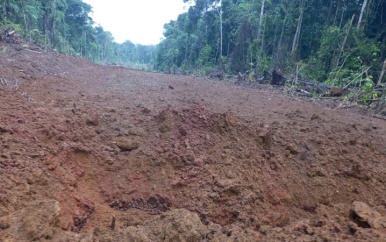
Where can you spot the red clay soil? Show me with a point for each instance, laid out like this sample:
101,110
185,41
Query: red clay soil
96,153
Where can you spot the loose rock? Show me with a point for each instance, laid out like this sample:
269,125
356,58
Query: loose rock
128,144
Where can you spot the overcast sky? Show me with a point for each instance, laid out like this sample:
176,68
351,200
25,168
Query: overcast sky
140,21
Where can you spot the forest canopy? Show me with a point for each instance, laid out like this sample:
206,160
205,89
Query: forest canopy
328,41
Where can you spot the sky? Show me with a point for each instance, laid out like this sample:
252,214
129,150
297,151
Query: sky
140,21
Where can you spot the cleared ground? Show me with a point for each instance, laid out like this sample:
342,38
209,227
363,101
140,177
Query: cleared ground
87,148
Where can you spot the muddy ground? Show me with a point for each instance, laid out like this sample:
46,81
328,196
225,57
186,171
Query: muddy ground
96,153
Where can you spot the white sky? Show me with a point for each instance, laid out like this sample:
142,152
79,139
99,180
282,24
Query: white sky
140,21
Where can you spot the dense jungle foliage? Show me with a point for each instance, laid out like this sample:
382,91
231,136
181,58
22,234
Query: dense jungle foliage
66,26
338,42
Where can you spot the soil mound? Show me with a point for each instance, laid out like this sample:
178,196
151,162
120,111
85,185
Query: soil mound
93,153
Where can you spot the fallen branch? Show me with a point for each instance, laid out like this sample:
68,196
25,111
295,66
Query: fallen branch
3,81
304,91
34,51
380,117
330,98
382,73
25,95
344,61
17,84
357,77
112,225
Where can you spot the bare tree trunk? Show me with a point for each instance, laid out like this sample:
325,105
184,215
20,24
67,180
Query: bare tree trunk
361,15
341,50
221,33
259,37
329,12
261,20
85,43
382,73
81,44
262,36
342,15
282,32
228,48
186,51
336,12
24,17
295,42
347,34
65,35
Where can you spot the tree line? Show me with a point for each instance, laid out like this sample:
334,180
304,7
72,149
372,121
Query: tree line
338,42
341,42
66,26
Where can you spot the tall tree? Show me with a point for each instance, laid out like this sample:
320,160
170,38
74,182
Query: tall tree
296,39
261,20
361,14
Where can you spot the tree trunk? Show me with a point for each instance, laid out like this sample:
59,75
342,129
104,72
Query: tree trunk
295,42
280,43
85,44
361,15
341,16
186,50
261,20
382,73
24,17
53,24
336,12
341,50
260,43
221,33
329,12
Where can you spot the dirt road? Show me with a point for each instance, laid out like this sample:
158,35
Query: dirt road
91,152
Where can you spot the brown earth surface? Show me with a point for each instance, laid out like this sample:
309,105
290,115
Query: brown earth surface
96,153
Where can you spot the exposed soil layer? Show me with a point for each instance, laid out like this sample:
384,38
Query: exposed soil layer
96,153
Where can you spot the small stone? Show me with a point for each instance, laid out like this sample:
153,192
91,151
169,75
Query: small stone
189,158
353,142
21,121
92,121
128,144
165,128
214,195
146,111
366,217
3,211
34,223
309,230
136,132
3,129
315,117
266,137
4,224
183,131
293,149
